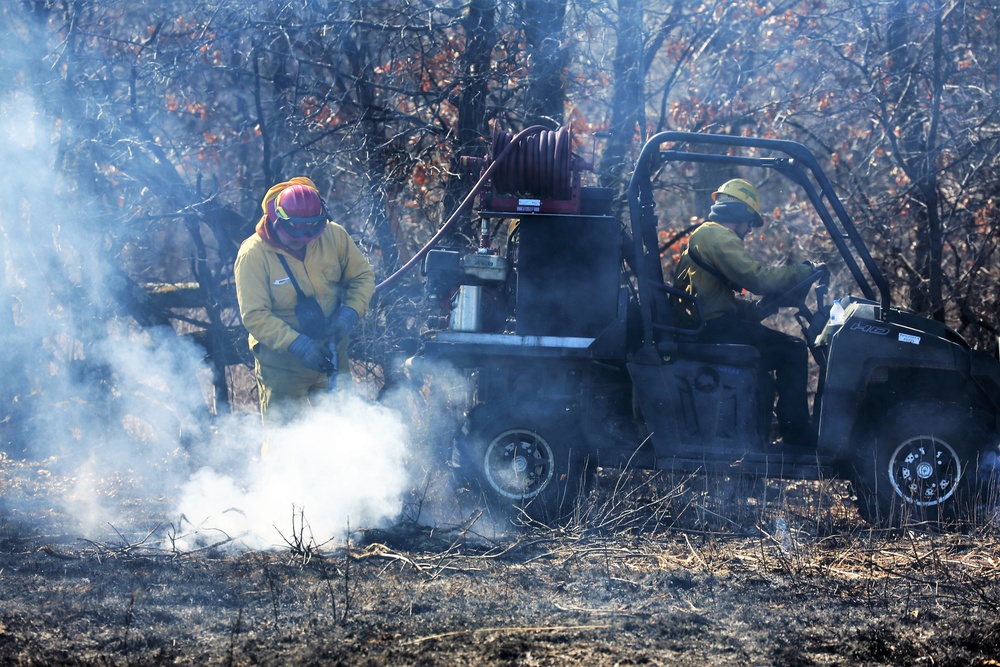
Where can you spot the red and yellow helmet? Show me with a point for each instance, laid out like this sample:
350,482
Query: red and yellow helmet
296,209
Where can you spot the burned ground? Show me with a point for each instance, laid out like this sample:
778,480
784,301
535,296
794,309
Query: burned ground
655,571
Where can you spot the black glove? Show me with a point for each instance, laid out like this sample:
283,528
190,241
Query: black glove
820,266
341,323
312,355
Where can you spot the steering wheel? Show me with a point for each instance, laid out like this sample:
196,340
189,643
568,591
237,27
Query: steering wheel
794,297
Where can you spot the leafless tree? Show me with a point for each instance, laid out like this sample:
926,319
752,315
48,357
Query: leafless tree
160,125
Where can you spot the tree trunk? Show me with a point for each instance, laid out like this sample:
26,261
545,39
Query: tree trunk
628,99
374,145
480,37
915,149
546,96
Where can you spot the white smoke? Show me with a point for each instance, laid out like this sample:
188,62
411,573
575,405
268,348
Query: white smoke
127,436
344,464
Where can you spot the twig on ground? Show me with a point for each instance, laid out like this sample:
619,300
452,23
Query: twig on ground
49,551
233,635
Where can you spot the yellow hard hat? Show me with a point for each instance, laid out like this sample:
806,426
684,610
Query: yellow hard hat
743,191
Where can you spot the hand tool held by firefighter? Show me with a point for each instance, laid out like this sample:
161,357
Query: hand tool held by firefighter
334,362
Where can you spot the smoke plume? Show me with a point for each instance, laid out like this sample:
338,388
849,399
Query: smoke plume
122,412
345,464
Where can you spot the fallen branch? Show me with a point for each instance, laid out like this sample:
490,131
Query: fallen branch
49,551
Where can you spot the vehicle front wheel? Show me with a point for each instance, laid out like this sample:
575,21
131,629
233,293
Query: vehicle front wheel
919,465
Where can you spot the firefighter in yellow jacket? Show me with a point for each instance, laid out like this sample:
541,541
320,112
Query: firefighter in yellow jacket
302,285
715,268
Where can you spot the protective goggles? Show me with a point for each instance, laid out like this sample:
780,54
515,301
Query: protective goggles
300,227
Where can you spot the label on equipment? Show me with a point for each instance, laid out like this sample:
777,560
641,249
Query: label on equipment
909,338
529,205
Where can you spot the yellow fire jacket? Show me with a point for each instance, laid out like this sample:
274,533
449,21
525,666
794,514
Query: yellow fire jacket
335,271
721,249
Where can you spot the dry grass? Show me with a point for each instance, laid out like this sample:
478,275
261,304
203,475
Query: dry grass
648,569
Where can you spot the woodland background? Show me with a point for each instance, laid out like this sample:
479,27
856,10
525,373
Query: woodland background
139,137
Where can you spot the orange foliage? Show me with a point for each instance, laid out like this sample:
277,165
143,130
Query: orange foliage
419,175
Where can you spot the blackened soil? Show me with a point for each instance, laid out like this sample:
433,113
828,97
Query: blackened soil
616,587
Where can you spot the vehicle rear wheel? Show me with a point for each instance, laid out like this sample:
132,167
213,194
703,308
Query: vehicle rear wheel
526,464
919,465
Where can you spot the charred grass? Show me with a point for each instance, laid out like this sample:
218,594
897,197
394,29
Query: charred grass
649,569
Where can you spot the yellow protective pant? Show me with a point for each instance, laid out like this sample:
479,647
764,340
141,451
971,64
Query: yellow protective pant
285,386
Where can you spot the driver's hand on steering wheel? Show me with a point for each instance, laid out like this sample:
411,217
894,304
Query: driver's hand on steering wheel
820,267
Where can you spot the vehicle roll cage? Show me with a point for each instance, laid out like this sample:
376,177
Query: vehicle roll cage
797,165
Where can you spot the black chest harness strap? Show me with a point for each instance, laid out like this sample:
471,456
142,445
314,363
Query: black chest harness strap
308,312
693,254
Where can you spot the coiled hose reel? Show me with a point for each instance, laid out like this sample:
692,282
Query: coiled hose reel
539,167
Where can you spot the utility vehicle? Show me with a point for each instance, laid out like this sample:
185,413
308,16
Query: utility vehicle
563,322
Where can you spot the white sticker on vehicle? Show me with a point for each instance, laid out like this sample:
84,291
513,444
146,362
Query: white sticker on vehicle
909,338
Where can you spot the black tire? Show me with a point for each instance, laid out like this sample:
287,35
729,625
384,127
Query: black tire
918,465
526,465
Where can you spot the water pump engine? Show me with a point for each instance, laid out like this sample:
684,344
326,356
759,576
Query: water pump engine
548,259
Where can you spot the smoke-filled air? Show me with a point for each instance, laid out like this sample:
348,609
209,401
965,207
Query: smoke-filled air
472,332
120,412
